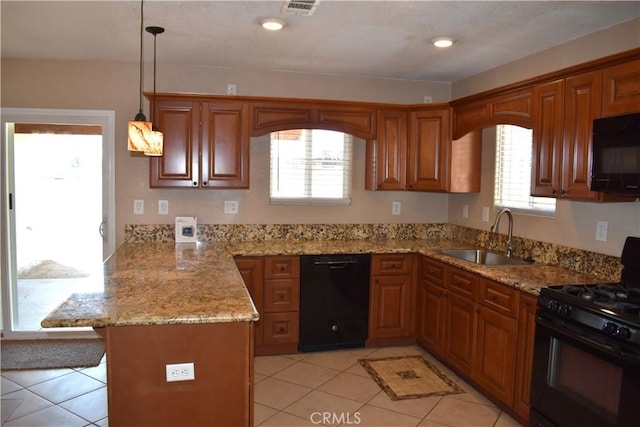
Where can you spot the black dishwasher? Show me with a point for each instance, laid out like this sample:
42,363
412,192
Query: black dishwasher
334,301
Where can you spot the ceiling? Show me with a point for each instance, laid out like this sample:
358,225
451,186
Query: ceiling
384,39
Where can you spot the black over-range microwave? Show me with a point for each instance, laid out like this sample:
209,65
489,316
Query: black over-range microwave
615,161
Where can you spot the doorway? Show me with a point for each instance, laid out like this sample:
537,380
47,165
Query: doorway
58,218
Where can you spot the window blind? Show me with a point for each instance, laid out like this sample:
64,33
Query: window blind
514,146
310,166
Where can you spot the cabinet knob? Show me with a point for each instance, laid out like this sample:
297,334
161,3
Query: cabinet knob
379,185
204,183
195,183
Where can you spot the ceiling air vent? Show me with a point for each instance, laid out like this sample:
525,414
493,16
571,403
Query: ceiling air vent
300,7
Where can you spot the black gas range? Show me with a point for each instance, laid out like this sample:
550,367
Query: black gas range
586,368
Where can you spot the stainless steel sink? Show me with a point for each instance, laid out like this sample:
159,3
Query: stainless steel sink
483,257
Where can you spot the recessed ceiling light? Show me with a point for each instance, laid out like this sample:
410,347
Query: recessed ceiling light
443,42
272,24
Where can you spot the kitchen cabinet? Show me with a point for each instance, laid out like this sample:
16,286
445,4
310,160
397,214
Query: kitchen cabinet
391,310
494,368
460,320
252,271
431,305
206,143
387,157
414,151
281,303
564,111
357,119
524,355
481,111
621,89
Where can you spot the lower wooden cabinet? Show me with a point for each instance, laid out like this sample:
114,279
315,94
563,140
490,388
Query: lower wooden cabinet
524,357
482,329
391,298
274,285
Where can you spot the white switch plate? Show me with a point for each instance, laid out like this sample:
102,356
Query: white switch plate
231,89
601,230
465,211
163,207
396,208
231,206
428,99
485,214
138,207
180,372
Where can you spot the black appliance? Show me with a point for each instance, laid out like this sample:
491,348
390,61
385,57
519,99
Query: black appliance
586,365
615,163
334,301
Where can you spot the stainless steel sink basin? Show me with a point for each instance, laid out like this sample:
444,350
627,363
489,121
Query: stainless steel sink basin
483,257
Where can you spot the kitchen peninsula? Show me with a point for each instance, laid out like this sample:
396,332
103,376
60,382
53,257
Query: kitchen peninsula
165,303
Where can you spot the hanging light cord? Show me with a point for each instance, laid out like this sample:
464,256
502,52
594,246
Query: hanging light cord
153,113
141,56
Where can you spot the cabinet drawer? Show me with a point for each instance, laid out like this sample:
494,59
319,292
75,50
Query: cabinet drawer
463,283
433,271
281,267
281,295
499,297
281,328
391,264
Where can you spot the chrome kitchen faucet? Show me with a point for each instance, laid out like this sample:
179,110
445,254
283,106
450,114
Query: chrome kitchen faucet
496,223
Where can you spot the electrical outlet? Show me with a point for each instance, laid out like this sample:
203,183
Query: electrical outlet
231,89
428,100
485,214
230,207
163,207
180,372
138,207
465,211
601,230
395,208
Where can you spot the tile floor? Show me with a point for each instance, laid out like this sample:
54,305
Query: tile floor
308,389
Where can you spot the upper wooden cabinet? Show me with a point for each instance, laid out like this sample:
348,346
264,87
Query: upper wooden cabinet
355,119
511,107
621,89
564,111
414,151
206,144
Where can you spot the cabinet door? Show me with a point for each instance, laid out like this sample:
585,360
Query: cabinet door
178,166
430,316
428,150
460,332
225,145
389,162
621,89
582,104
390,313
547,139
494,369
524,363
252,272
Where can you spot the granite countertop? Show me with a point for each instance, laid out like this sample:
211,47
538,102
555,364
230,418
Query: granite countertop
165,283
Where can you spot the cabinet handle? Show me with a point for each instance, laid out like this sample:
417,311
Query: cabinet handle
377,281
493,298
195,183
563,192
379,185
204,183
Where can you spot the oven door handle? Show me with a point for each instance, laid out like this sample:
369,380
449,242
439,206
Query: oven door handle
580,337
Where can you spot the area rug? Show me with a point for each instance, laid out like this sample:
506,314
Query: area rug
409,377
50,354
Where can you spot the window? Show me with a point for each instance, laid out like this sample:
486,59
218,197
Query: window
311,166
513,172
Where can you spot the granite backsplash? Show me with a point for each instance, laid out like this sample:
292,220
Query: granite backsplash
606,267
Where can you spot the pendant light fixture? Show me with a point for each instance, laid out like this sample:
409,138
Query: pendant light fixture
157,138
139,128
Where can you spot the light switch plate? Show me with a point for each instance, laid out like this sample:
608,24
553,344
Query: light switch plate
396,207
601,230
485,214
163,207
465,211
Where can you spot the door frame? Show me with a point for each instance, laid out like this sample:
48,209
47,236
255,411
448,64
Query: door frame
105,118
